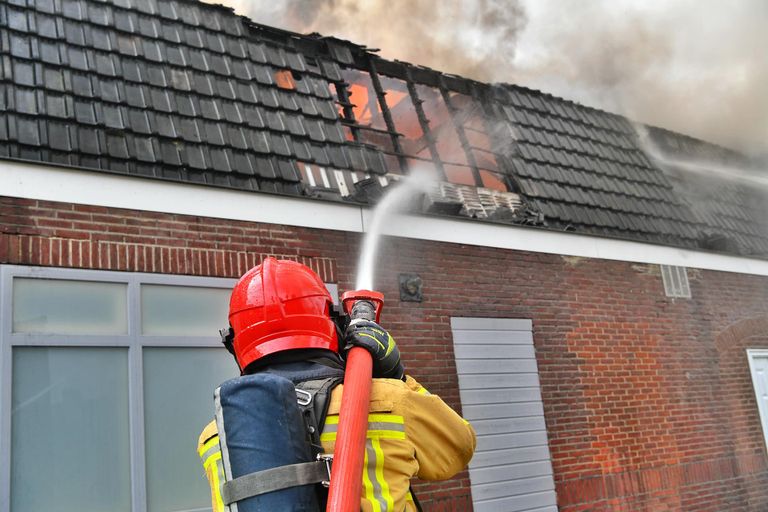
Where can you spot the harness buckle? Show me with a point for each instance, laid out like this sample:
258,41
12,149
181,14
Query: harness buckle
328,459
304,398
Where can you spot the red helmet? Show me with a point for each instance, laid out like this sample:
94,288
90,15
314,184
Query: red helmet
280,305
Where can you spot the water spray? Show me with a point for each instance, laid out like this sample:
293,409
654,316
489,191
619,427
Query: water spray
362,304
700,167
398,197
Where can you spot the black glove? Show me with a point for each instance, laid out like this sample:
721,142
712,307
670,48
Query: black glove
377,341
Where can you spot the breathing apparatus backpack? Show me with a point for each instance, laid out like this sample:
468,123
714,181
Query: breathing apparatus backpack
269,436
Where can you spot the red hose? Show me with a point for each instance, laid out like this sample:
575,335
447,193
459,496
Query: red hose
347,473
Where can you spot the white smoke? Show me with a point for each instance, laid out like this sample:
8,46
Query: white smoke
472,38
697,67
694,66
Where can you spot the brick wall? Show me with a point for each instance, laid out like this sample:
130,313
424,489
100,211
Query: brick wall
648,400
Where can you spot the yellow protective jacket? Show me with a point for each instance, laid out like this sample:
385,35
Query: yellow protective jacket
411,433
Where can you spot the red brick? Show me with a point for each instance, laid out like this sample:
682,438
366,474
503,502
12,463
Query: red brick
648,401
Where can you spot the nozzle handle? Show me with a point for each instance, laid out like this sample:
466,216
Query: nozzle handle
364,310
366,304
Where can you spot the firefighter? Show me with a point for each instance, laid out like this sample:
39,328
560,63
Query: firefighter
282,323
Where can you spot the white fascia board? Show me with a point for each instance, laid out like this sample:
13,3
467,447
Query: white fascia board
87,187
566,244
101,189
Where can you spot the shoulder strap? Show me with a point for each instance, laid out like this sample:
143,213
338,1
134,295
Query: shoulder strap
315,407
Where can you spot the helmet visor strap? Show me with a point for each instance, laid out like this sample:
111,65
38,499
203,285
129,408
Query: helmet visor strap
227,338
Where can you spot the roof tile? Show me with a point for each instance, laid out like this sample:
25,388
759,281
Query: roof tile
236,47
319,155
330,69
288,170
231,111
326,108
88,140
143,149
264,166
27,131
241,69
111,116
262,74
214,41
138,121
295,61
171,31
337,156
58,136
246,93
169,153
267,97
236,137
274,120
187,105
160,99
72,9
254,116
116,145
224,88
340,52
307,105
259,141
212,133
240,162
279,144
275,56
188,129
193,156
219,160
375,160
165,125
301,150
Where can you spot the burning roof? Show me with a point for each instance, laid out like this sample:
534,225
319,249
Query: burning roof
186,91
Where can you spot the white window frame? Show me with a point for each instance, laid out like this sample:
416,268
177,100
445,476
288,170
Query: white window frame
133,341
762,410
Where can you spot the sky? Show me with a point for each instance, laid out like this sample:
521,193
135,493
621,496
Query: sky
699,67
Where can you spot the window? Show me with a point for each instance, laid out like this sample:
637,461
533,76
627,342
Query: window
758,365
675,281
69,307
106,380
69,429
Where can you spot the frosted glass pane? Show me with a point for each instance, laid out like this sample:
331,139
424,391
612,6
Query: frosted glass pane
69,430
183,310
69,307
178,403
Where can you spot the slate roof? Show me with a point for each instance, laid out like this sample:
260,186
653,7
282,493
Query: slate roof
185,91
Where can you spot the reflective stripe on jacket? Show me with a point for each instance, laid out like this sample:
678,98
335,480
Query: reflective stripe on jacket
411,433
210,454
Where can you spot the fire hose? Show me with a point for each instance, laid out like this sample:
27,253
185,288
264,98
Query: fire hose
349,453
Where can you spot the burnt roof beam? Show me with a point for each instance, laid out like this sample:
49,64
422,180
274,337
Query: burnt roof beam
382,97
454,112
424,122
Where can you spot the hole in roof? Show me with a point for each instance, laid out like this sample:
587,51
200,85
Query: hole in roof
284,79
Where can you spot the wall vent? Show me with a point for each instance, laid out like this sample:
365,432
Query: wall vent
675,281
